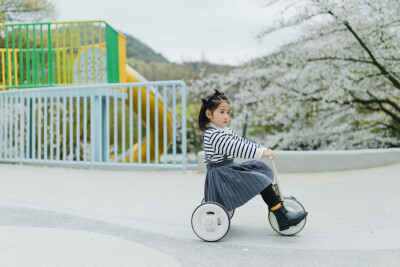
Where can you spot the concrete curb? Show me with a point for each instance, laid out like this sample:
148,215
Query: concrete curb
325,161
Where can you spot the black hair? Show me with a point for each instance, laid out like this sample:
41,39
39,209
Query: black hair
210,103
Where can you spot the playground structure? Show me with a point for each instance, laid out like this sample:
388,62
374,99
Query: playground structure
69,59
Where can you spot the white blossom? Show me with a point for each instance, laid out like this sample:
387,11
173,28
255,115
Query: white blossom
335,87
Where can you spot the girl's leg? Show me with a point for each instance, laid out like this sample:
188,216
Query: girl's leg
269,196
285,218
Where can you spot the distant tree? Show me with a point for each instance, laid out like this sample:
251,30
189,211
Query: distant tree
335,87
345,67
14,11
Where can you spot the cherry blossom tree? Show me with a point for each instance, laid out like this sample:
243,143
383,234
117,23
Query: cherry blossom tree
337,86
14,11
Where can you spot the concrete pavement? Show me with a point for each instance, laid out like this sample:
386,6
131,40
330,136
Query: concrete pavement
52,216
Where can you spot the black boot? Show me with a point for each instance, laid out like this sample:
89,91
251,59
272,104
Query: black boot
286,218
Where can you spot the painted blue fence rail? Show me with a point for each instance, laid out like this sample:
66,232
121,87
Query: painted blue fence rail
141,125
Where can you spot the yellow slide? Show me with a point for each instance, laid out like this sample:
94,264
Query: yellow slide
128,74
133,76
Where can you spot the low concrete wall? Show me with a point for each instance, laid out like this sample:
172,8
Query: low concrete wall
324,161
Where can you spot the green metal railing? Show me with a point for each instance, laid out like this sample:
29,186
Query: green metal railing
61,53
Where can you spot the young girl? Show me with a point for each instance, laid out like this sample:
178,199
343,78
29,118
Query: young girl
231,184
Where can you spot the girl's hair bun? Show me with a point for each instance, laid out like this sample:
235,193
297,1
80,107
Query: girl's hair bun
204,101
217,92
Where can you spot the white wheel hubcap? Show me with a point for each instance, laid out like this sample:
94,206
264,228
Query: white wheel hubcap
210,222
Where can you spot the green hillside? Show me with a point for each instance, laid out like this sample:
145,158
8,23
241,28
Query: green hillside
155,67
138,50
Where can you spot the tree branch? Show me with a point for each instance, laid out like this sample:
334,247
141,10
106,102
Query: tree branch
288,24
386,101
367,104
395,82
342,59
388,126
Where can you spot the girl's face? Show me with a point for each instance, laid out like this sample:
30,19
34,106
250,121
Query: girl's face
221,115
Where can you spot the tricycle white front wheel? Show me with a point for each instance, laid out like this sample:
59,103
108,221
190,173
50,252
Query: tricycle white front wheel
291,204
210,221
230,213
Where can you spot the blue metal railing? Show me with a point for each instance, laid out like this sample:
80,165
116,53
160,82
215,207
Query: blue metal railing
131,124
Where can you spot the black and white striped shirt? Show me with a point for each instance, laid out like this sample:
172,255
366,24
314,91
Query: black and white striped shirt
223,141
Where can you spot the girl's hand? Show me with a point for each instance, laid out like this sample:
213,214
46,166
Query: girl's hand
269,153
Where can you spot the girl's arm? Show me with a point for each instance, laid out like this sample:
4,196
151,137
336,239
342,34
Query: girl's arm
245,140
233,145
266,151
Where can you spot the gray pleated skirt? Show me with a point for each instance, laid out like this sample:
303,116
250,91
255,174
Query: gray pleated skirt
233,184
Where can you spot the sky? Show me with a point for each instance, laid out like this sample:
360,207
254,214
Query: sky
219,31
